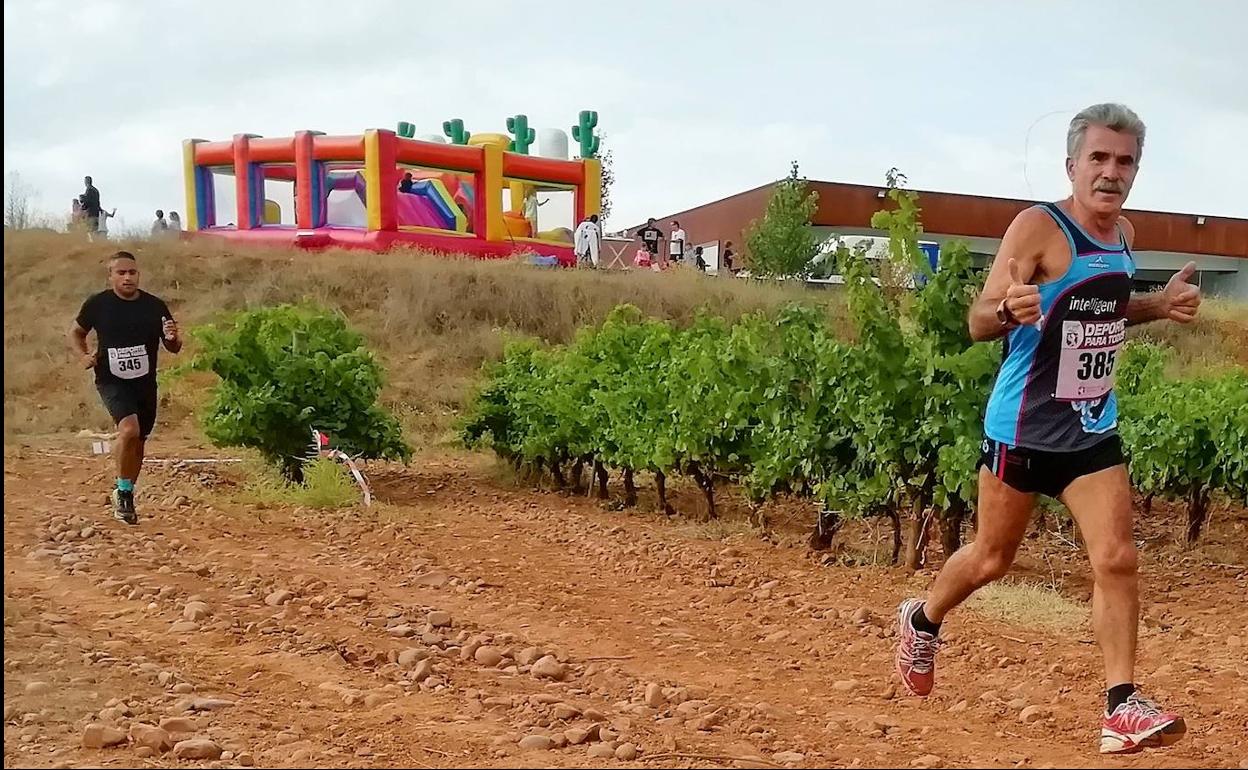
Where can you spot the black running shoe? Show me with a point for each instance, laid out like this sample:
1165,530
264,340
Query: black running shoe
123,506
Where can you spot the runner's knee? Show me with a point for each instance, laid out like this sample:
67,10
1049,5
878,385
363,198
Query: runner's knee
128,429
1115,561
993,564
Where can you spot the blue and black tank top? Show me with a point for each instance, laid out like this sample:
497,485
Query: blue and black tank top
1054,391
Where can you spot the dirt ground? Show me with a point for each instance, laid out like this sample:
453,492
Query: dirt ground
462,615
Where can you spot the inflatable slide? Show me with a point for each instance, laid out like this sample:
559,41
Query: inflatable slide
429,204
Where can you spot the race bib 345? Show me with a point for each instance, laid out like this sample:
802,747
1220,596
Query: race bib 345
129,363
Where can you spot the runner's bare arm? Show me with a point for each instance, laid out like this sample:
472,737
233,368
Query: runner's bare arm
1178,301
78,341
171,335
1128,231
1023,244
1141,308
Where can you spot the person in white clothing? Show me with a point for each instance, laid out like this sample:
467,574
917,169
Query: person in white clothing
676,244
587,241
101,230
175,222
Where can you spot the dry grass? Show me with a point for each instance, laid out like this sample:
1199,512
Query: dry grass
1029,604
1217,341
326,484
433,320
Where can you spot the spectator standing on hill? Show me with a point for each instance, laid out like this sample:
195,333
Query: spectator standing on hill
728,260
91,205
160,226
175,222
676,244
587,241
102,231
650,236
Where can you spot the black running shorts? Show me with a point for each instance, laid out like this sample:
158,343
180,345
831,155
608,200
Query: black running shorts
123,399
1048,473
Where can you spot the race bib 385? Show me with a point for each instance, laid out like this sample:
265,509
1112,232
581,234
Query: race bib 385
1089,353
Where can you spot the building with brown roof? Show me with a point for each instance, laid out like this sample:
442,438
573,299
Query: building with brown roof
1164,241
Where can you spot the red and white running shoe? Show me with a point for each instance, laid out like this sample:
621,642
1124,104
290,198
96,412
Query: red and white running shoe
1139,723
916,651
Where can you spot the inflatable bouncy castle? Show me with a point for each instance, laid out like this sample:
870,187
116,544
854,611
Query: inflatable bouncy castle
476,195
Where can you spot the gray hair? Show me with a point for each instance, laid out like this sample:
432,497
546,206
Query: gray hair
1115,117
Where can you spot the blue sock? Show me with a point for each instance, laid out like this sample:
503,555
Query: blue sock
125,485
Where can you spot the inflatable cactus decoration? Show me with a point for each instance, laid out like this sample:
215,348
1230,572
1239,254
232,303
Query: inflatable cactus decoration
406,130
454,130
583,132
522,136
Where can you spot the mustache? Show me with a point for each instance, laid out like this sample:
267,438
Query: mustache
1107,186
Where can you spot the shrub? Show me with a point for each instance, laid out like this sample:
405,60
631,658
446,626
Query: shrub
285,370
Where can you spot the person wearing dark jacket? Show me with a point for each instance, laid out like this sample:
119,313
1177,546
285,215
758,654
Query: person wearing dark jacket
91,205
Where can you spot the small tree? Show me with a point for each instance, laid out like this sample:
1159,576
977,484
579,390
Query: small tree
902,260
16,203
286,370
918,385
783,243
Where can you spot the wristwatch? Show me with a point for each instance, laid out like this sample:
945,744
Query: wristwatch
1005,316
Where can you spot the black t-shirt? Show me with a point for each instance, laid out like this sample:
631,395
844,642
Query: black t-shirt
91,201
128,332
650,236
728,258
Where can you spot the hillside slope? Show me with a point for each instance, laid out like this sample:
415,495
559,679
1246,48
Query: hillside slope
433,320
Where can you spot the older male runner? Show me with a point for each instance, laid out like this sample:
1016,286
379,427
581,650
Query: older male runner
1059,292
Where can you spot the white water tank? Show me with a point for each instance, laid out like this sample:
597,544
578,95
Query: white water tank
552,143
432,138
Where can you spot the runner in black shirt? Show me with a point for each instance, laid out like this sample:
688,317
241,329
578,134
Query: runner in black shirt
129,326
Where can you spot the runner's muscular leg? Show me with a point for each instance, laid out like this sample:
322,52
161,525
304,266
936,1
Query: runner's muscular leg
1003,516
1101,504
140,453
129,448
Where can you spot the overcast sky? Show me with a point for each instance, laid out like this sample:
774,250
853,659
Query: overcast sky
698,100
